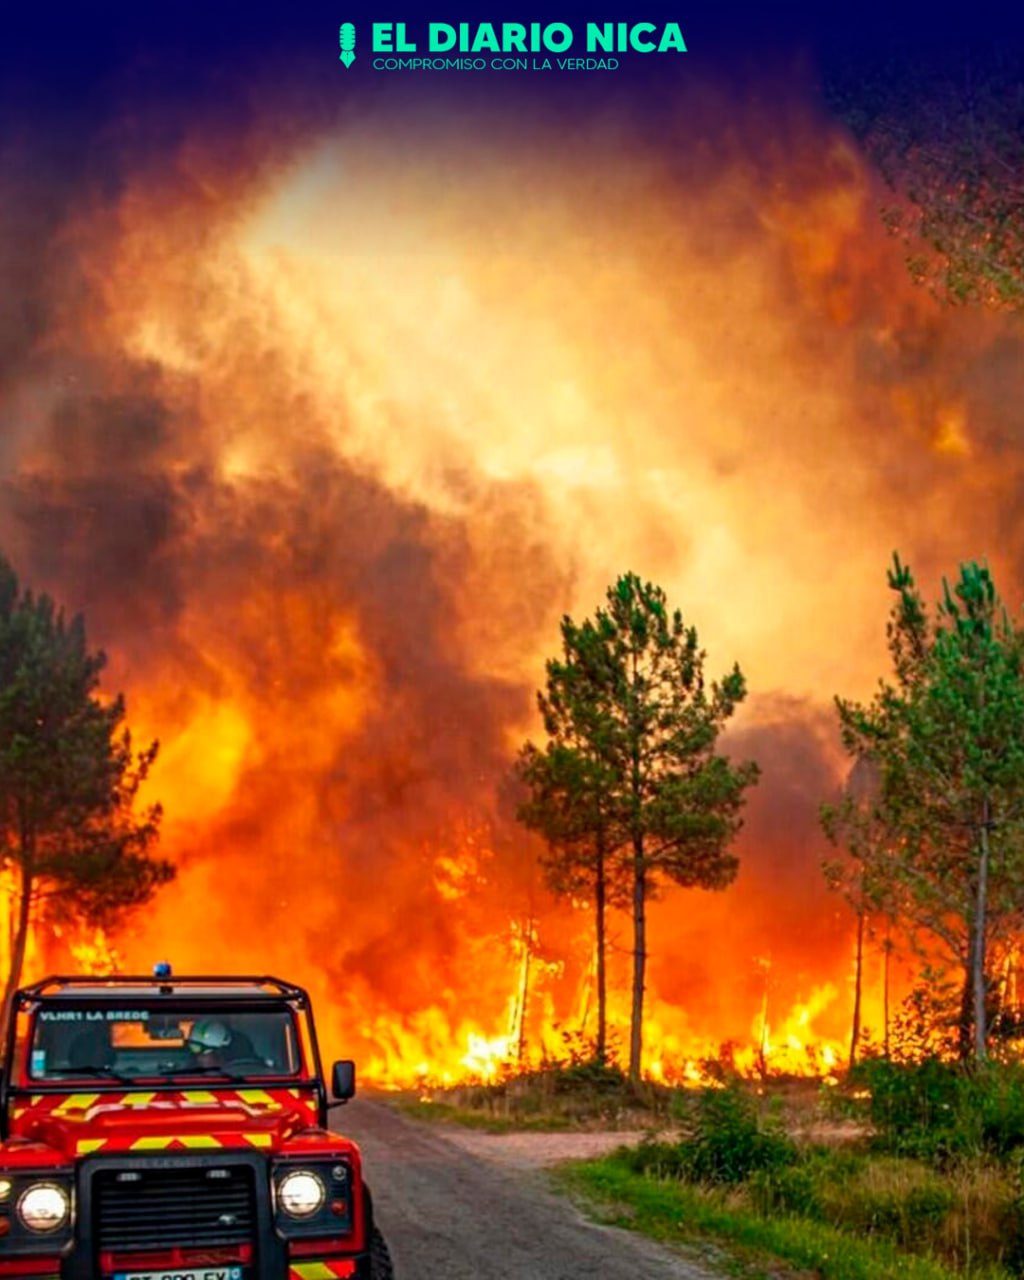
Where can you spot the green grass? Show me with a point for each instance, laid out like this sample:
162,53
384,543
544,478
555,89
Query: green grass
923,1180
670,1210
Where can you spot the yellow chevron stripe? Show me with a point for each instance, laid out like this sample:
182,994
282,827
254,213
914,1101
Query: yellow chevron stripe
199,1095
137,1099
76,1102
312,1270
255,1095
199,1140
258,1139
85,1146
150,1144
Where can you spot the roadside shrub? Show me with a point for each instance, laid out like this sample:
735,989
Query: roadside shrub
790,1190
907,1219
938,1110
1009,1225
914,1108
656,1159
992,1108
895,1197
925,1209
729,1142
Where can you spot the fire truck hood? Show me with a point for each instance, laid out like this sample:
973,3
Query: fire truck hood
245,1119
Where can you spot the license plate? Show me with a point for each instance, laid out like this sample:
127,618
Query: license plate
185,1273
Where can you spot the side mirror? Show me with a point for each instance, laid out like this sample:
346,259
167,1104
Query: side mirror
343,1080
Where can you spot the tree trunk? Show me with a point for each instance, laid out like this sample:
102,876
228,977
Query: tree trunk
524,992
858,977
636,1029
601,1047
885,994
978,958
965,1016
966,1019
1000,998
762,1044
12,923
639,958
18,949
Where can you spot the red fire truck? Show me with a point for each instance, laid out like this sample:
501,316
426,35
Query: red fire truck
172,1128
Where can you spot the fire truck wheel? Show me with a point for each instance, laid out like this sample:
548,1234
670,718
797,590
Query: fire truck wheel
381,1267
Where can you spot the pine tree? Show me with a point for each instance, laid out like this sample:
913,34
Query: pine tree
68,778
639,781
947,739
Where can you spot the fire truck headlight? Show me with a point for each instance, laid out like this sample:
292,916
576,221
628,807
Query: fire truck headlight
301,1193
44,1207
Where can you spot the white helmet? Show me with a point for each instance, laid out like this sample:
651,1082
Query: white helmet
208,1035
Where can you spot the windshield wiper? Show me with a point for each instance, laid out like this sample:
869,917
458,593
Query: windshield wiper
92,1070
233,1076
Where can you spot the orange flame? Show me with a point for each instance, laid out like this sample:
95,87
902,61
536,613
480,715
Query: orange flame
357,439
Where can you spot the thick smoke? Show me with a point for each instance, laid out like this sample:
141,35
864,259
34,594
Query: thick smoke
324,428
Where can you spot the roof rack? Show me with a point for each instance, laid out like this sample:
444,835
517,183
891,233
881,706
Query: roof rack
85,985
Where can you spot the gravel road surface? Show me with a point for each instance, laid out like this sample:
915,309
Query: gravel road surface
471,1206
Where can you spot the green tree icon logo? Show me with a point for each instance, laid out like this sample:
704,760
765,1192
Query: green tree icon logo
347,42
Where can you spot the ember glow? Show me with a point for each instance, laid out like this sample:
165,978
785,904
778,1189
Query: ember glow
324,432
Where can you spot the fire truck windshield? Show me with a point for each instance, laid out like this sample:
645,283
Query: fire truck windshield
69,1039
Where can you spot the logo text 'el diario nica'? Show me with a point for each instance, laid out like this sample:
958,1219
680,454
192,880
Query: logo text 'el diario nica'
533,37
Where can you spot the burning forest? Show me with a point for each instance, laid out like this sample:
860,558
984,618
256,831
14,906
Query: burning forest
324,426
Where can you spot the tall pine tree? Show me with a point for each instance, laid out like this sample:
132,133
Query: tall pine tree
947,739
68,778
640,782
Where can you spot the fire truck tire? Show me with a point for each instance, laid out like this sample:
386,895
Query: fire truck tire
381,1266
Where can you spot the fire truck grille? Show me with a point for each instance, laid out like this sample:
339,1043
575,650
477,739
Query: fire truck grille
157,1208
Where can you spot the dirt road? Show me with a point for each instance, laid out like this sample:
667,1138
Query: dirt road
455,1208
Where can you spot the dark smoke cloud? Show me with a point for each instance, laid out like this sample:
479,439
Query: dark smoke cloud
309,581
